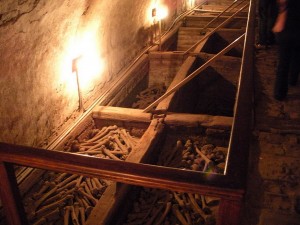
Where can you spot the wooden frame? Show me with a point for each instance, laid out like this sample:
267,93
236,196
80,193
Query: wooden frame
229,187
124,172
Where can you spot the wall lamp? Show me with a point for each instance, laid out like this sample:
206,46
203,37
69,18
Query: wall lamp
75,63
158,14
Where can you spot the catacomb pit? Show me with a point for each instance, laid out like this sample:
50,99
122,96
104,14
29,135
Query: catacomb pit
62,198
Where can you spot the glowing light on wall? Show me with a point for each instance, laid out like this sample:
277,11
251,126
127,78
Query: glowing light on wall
158,13
190,4
90,66
75,64
161,12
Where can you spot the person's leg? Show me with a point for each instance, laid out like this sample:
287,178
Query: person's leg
295,65
281,82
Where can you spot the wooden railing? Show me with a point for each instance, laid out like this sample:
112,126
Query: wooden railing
222,186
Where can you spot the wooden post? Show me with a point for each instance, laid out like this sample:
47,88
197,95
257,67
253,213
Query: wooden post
10,196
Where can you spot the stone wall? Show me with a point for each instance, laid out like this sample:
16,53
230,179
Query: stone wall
38,41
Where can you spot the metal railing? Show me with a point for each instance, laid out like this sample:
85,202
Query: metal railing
234,4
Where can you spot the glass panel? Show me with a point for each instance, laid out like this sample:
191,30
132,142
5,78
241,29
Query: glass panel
154,206
61,198
108,142
202,150
56,198
198,148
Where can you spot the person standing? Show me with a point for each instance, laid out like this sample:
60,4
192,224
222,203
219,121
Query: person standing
287,32
267,11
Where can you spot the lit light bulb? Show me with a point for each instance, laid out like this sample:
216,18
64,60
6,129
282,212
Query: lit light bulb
162,12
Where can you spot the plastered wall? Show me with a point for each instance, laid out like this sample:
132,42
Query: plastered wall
38,41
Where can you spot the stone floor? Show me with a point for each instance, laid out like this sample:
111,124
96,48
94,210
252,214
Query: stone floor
274,168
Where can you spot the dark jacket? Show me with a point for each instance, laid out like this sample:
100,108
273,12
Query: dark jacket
291,31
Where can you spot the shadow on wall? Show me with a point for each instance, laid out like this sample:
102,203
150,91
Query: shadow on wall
144,35
9,14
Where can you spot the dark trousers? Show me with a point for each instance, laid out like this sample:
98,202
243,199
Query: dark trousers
288,66
267,10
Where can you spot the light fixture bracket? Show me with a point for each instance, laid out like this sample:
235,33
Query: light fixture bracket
75,63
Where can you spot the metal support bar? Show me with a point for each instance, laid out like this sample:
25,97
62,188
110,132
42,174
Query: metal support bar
225,10
238,4
195,73
81,108
217,28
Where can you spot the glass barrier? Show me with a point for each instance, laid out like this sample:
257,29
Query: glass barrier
62,198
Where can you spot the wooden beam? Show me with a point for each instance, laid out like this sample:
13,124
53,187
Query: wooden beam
194,74
147,144
104,206
180,75
195,120
218,185
115,194
121,114
227,66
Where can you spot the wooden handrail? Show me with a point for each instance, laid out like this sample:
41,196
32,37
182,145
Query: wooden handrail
125,172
